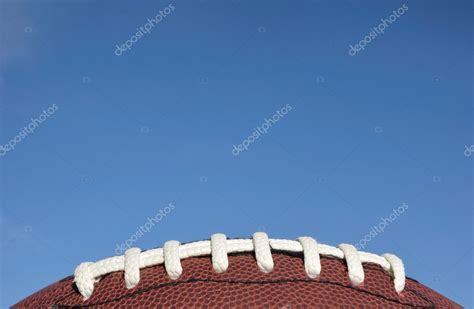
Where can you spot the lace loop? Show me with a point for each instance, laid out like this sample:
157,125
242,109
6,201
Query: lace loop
398,271
84,279
263,253
172,259
354,265
220,261
312,263
132,267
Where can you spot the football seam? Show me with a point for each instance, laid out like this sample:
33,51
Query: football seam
194,280
422,296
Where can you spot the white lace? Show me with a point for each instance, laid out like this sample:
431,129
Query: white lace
86,274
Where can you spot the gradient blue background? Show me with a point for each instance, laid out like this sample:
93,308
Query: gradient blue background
157,125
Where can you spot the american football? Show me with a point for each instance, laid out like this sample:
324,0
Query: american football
241,273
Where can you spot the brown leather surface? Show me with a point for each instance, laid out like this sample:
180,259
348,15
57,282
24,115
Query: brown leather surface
243,285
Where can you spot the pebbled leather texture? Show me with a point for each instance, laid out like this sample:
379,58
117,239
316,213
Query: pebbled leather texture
243,285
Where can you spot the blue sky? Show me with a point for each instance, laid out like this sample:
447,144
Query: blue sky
157,125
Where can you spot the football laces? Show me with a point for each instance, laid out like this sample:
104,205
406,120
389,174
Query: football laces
218,247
